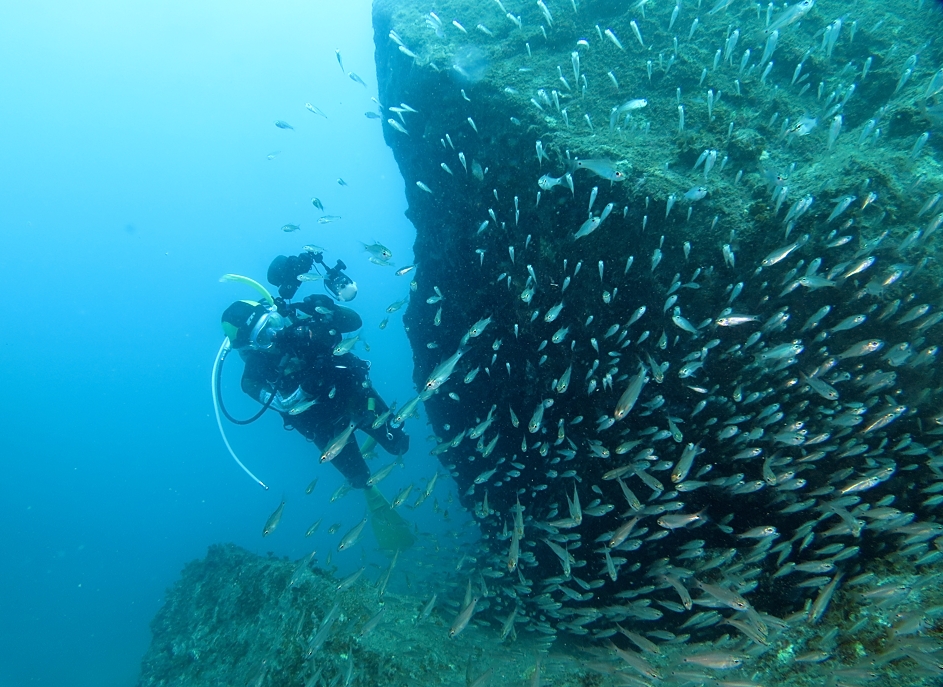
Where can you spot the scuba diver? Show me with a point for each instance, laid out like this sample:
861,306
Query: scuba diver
298,364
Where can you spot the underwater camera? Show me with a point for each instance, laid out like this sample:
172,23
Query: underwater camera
285,270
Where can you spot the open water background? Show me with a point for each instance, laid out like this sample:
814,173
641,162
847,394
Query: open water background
133,173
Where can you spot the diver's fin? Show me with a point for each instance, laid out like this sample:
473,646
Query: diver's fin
391,530
368,445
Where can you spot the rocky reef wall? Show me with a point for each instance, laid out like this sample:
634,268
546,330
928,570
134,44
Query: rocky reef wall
689,255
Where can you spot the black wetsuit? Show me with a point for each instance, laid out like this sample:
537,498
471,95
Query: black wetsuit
302,357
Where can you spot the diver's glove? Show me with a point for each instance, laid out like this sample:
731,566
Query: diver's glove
283,307
285,404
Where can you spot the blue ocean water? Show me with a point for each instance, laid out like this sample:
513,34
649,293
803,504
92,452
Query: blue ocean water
135,173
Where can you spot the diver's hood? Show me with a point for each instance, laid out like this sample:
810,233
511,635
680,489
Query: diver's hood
251,324
239,319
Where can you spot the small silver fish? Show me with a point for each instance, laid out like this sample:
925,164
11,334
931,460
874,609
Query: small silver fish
601,167
273,520
547,182
635,104
346,345
734,320
588,227
695,194
337,444
377,250
790,15
396,125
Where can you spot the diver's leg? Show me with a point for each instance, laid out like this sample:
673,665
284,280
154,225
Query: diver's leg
351,465
392,531
349,462
374,403
393,440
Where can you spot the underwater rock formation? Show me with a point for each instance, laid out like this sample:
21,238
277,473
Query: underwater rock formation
687,254
235,618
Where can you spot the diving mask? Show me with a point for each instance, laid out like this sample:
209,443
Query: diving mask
263,334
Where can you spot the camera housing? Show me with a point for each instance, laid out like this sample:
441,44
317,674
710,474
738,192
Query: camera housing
284,270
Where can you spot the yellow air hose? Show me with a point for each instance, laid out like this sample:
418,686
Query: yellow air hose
239,279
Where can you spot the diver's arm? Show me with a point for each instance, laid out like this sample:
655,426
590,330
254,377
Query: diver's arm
346,320
310,304
257,371
342,319
286,399
254,387
351,465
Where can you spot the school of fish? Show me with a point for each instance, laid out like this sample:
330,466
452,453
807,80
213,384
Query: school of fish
676,425
690,428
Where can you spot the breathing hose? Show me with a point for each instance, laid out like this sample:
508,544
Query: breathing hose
214,383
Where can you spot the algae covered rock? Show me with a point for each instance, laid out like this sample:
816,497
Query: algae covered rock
675,220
